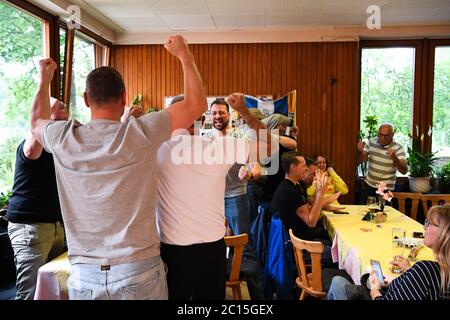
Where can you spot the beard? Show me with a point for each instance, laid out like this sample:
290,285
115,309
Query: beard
220,125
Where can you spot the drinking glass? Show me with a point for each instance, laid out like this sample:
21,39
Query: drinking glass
372,204
398,246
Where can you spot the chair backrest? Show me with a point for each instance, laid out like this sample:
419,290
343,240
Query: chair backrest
435,199
402,196
237,243
311,284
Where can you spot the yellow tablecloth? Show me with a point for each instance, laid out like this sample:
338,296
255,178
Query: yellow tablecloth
355,242
52,279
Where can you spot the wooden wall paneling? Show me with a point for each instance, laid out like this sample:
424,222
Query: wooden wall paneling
339,116
154,77
327,114
221,72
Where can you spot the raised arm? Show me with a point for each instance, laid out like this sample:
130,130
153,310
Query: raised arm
185,112
263,136
32,149
288,142
40,109
361,146
400,164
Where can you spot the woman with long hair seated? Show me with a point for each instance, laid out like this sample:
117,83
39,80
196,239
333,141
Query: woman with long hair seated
336,184
425,280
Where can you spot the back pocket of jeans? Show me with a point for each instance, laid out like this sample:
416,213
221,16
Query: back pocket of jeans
79,293
149,285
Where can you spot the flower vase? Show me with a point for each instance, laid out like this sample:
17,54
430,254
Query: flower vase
382,203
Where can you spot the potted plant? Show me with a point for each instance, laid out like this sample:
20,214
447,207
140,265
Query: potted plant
4,199
444,178
371,123
420,167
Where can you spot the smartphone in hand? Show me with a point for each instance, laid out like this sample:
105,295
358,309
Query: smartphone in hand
377,267
340,212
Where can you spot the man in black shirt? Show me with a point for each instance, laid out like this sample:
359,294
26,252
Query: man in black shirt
34,215
290,201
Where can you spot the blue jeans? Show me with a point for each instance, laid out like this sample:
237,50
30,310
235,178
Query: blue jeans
237,212
34,245
337,289
141,280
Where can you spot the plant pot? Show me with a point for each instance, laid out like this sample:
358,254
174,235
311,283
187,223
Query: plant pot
419,184
444,187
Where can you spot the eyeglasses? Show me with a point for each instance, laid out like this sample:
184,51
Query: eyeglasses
427,223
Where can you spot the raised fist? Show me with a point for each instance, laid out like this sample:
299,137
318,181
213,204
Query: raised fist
177,46
47,69
236,101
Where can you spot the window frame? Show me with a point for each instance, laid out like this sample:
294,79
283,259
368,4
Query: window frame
428,113
423,80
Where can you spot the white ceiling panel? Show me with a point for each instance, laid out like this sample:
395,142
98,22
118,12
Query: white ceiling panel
290,7
142,23
121,8
210,15
186,22
291,21
224,7
178,7
239,21
333,19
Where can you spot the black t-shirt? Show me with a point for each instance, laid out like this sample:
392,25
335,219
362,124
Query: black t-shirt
274,180
287,198
35,196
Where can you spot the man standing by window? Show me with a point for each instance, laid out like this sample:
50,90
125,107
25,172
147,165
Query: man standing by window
385,157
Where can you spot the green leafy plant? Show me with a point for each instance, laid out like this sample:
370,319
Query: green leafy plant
4,199
371,124
420,164
371,127
137,101
444,174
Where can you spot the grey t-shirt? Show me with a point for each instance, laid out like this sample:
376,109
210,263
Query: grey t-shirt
234,186
105,171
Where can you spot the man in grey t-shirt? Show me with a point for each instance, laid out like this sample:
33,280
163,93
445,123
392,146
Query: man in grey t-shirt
106,178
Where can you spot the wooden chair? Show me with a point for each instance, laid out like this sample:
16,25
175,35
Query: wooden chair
234,281
309,283
435,199
402,196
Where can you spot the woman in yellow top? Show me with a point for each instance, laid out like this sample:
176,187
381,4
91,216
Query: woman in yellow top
336,184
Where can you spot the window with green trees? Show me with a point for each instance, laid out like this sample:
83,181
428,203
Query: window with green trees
21,47
441,103
387,88
83,63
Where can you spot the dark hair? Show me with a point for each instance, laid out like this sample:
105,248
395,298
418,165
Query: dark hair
310,161
289,158
104,84
327,162
176,99
222,102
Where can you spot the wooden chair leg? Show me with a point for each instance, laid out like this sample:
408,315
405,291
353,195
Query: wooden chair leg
303,295
237,293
